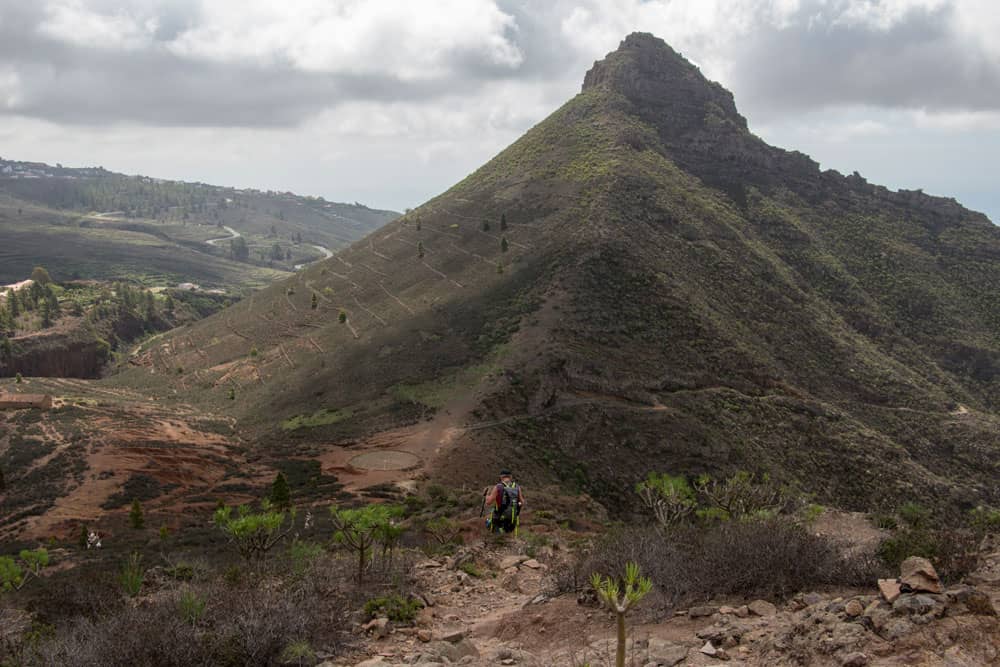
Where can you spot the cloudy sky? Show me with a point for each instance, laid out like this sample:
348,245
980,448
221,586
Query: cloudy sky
389,102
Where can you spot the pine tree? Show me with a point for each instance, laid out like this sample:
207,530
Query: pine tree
503,222
135,515
342,317
281,496
420,249
18,379
168,305
12,304
40,276
46,315
53,302
232,394
486,225
419,226
81,540
314,303
150,306
504,246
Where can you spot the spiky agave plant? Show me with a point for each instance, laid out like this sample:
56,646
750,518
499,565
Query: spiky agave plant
609,591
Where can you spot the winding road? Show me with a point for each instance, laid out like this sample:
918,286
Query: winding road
233,232
327,254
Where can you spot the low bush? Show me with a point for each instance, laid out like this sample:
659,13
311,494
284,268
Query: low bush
954,552
765,558
394,607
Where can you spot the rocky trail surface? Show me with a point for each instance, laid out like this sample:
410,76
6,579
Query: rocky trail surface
510,615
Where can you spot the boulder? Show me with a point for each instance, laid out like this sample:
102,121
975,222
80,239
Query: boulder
856,659
377,626
533,564
762,608
742,611
666,653
708,649
910,604
919,575
454,652
964,599
854,608
453,636
511,561
699,612
889,588
424,635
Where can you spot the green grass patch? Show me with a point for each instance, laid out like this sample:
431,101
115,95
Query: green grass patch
324,417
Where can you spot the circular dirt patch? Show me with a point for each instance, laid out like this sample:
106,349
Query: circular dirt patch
385,460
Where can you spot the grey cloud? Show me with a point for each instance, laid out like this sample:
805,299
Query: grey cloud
70,84
919,62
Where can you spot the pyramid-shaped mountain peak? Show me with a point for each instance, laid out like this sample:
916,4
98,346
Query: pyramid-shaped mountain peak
638,283
664,86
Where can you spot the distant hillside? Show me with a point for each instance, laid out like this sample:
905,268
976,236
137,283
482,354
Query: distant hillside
638,283
92,223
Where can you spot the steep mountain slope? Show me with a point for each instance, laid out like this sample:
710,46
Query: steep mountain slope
638,283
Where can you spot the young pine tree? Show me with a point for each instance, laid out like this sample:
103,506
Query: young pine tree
610,594
420,249
504,246
135,516
314,303
281,496
503,222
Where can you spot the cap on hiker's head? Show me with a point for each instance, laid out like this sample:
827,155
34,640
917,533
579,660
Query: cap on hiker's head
505,473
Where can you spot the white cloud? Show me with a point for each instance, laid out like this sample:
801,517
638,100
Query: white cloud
73,22
10,88
399,37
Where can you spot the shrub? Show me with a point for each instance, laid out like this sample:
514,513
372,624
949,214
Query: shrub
954,553
359,529
985,520
132,575
14,574
470,569
302,555
671,499
771,558
742,495
191,607
443,530
298,652
914,515
253,534
394,607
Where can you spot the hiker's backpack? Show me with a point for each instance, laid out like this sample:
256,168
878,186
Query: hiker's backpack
507,497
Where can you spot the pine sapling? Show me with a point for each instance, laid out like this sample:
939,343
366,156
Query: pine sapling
609,592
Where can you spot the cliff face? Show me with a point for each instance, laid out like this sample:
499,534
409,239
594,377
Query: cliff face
77,350
57,355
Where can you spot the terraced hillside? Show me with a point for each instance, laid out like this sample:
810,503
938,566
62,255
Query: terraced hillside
637,283
91,223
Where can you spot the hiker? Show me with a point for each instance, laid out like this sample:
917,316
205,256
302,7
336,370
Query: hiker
506,501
